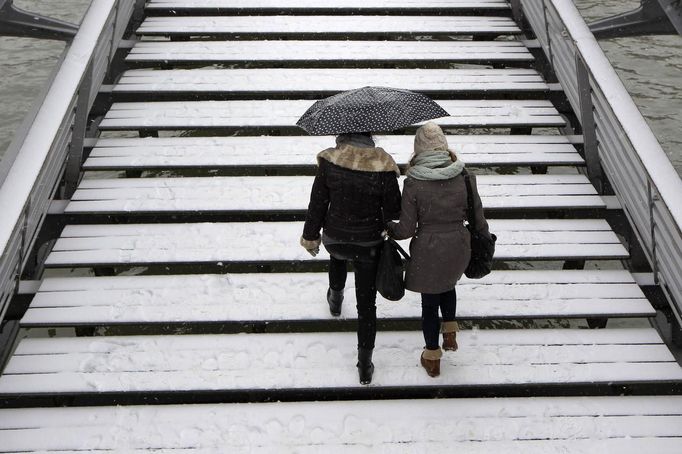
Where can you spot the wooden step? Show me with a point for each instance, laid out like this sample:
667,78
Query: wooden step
326,26
298,152
193,84
328,53
276,243
223,367
311,6
264,195
270,298
282,115
537,425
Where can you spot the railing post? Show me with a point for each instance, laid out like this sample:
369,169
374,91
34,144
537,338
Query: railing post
113,44
675,331
591,145
74,159
517,12
550,55
25,243
652,197
9,330
138,15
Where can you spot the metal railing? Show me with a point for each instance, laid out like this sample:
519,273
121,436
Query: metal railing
48,148
617,138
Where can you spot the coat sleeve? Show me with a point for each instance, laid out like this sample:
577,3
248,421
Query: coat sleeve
407,226
481,223
391,197
318,206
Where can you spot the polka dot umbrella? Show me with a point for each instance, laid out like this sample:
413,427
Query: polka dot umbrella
369,109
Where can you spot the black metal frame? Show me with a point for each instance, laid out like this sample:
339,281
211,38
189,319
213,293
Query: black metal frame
24,24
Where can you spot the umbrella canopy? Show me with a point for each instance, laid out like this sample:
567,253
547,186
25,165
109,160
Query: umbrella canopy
369,109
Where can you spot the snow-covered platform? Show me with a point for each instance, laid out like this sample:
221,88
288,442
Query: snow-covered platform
224,367
328,53
340,7
141,84
282,115
259,329
297,154
276,243
264,195
623,425
298,298
326,26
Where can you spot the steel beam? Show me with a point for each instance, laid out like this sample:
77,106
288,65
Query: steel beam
591,145
24,24
653,17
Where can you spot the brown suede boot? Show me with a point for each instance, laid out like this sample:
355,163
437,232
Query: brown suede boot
449,330
431,361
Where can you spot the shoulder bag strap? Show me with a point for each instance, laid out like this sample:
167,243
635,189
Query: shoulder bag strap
470,201
400,249
383,189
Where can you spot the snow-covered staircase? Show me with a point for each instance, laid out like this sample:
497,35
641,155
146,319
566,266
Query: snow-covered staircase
227,314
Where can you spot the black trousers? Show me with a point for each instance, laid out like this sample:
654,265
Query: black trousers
431,303
365,261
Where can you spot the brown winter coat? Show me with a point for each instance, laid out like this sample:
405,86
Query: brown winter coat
433,213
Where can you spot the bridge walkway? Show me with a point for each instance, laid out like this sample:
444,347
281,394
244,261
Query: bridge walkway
195,294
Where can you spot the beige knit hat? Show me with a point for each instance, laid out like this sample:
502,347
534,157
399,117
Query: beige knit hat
430,137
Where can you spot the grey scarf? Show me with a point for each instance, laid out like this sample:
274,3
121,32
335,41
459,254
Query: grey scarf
434,165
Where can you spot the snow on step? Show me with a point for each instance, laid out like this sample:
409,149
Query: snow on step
289,361
175,6
292,193
326,82
258,242
285,113
264,151
538,425
325,52
326,25
269,297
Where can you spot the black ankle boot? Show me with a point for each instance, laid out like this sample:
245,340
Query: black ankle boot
334,299
365,366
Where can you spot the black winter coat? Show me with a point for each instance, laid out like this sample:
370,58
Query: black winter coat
354,194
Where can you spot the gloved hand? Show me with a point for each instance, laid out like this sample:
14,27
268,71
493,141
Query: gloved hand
312,246
387,230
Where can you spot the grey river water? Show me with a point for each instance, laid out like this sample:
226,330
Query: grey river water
649,66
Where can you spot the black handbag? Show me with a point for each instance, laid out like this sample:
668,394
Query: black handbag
390,280
482,243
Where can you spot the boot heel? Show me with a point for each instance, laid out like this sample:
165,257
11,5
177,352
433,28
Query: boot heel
430,361
334,299
450,342
365,365
449,330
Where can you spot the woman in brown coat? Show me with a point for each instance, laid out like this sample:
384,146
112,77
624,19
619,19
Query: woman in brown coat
433,211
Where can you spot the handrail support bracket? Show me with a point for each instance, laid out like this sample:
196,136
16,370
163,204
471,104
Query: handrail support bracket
24,24
652,17
588,125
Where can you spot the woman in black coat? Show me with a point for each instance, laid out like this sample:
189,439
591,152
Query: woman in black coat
354,194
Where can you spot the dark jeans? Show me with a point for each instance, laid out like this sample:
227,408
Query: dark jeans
365,261
431,302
